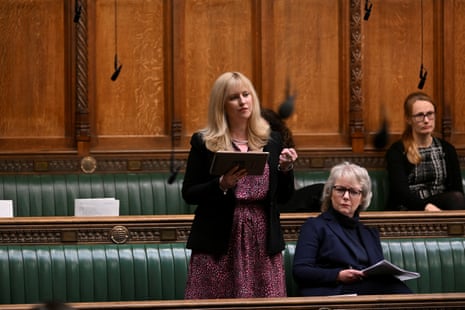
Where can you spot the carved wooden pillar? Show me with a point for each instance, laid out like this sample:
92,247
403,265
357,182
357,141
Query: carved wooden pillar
444,69
356,124
82,99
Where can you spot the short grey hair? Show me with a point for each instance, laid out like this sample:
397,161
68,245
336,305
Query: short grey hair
347,169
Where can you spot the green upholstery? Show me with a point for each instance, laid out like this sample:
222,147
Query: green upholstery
440,261
138,193
53,195
86,273
380,184
71,273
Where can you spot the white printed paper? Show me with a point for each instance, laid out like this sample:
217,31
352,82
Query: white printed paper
6,208
96,207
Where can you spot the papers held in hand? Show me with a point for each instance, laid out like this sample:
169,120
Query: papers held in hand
385,267
253,162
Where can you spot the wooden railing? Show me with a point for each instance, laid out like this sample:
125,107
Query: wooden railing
160,229
175,228
385,302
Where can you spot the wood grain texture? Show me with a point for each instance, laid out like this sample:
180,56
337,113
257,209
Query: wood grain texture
216,37
57,96
302,46
455,64
392,55
133,105
33,82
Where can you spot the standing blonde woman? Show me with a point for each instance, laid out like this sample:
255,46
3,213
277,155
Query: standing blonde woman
236,238
424,171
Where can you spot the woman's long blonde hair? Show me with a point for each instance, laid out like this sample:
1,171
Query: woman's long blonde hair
216,135
410,147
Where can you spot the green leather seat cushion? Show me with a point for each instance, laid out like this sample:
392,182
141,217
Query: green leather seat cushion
110,272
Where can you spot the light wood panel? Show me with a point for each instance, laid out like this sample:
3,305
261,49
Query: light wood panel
212,37
392,50
130,112
57,96
305,44
35,103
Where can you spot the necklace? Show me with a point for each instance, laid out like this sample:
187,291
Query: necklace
237,141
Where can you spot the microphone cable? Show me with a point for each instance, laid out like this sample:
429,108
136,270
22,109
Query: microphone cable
117,66
423,73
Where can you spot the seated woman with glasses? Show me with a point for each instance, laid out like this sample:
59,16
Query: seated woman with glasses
423,170
334,247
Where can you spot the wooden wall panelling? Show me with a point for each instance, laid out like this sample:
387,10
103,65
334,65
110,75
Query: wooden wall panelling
444,124
58,100
36,75
454,68
212,37
130,114
392,59
307,43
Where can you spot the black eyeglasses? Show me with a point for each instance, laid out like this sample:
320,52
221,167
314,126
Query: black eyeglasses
341,190
420,117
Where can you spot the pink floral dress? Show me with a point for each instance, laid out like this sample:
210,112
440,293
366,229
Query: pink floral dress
246,271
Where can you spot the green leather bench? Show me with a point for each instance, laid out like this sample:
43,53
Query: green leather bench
440,261
138,193
88,273
53,195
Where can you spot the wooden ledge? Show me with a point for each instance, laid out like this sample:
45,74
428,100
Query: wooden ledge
394,224
410,301
176,228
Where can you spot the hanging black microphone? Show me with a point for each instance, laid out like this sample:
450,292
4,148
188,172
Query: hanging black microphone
174,174
423,72
423,75
77,12
174,169
287,107
368,7
115,74
381,138
174,166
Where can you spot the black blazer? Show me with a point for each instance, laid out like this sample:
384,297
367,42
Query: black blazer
398,168
211,228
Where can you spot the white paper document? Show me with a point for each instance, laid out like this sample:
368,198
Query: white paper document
96,207
385,267
6,208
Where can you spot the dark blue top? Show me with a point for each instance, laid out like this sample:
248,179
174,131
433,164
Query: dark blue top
328,244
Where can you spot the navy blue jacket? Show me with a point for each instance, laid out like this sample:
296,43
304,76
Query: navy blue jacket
323,250
212,225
